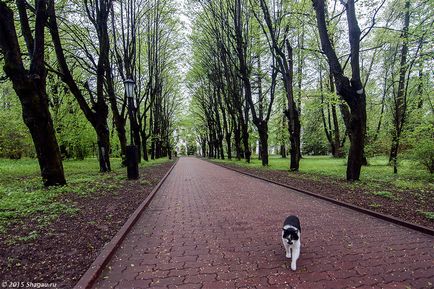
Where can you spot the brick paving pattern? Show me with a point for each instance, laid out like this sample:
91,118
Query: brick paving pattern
209,227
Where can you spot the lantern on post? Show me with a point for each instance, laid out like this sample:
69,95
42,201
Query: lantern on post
132,150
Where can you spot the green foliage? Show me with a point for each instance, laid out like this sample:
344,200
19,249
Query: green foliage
379,147
428,215
183,151
191,147
15,139
18,201
31,236
314,140
422,141
384,194
375,205
278,128
75,134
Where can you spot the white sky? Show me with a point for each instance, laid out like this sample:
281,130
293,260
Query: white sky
184,63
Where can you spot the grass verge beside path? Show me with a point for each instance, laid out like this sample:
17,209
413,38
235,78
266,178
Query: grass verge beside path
411,174
408,195
23,195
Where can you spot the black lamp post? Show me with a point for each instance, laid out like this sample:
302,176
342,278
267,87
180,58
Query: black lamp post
131,153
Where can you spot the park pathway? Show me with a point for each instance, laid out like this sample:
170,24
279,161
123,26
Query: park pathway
209,227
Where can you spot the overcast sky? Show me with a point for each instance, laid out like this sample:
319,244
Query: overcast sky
184,61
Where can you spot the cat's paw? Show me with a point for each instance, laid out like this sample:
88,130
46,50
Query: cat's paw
288,255
293,267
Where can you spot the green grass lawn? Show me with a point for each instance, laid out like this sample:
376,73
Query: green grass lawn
411,175
22,193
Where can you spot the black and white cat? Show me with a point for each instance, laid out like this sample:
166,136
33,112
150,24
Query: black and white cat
291,234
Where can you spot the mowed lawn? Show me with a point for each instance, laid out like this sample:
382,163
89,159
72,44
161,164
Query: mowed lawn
411,174
22,193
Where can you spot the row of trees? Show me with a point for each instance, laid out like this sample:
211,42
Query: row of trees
309,68
72,57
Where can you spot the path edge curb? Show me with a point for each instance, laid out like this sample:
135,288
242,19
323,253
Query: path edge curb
385,217
90,276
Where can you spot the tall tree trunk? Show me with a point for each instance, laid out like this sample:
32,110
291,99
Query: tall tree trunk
203,145
145,146
357,136
337,143
222,152
337,138
98,113
263,136
292,113
393,157
331,126
327,127
246,143
237,139
101,125
286,66
351,91
283,152
420,86
244,74
261,124
30,86
219,130
259,149
400,108
122,136
380,118
294,137
34,103
226,136
168,149
118,119
153,150
229,145
300,64
137,138
103,148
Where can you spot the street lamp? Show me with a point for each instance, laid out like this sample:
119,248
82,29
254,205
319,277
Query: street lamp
132,152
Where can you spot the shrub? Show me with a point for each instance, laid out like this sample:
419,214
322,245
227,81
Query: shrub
15,141
422,140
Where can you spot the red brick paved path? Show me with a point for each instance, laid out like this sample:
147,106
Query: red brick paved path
209,227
